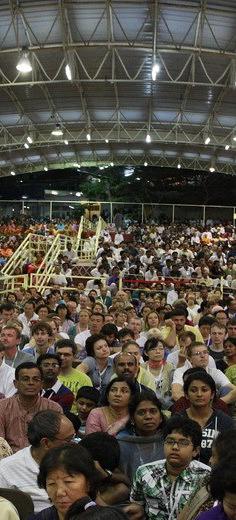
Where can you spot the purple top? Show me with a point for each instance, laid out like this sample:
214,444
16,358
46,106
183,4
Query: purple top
215,513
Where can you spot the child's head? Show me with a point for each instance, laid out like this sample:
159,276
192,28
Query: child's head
87,398
182,440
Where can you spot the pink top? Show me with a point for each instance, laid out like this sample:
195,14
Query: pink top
97,422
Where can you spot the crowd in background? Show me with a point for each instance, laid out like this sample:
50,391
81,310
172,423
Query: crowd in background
120,390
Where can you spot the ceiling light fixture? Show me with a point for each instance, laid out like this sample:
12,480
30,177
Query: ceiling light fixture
148,138
45,168
68,72
79,193
111,164
57,131
227,147
29,139
106,140
178,166
26,145
212,169
24,65
207,140
66,142
12,173
72,207
88,136
155,71
54,192
145,164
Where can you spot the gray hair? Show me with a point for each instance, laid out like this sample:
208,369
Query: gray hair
44,424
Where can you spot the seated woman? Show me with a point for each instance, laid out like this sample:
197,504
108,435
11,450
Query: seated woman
67,473
154,356
97,365
112,417
142,439
66,323
200,389
222,487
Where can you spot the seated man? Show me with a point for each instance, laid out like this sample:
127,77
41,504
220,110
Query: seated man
18,410
198,356
164,487
177,324
53,389
10,337
47,429
71,377
126,365
41,332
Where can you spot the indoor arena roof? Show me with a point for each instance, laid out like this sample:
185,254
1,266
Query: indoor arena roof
112,103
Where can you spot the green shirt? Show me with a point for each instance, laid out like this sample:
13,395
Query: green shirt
162,497
74,381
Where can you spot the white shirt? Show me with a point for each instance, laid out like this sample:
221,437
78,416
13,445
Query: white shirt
80,338
20,471
220,379
26,323
7,376
173,358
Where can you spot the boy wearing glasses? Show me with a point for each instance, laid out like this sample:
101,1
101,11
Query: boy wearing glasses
163,487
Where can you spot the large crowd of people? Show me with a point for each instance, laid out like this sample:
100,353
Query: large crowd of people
118,393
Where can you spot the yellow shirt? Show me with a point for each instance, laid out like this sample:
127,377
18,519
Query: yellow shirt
187,328
146,379
74,381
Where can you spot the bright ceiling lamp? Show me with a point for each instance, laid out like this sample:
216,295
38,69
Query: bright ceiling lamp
12,173
66,142
45,168
207,140
29,139
79,193
57,131
68,72
227,147
179,166
24,65
107,141
111,164
26,145
54,192
145,164
155,71
88,136
212,169
148,138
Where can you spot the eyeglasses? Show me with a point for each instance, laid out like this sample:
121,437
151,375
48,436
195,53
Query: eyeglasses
200,353
30,379
181,443
50,365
